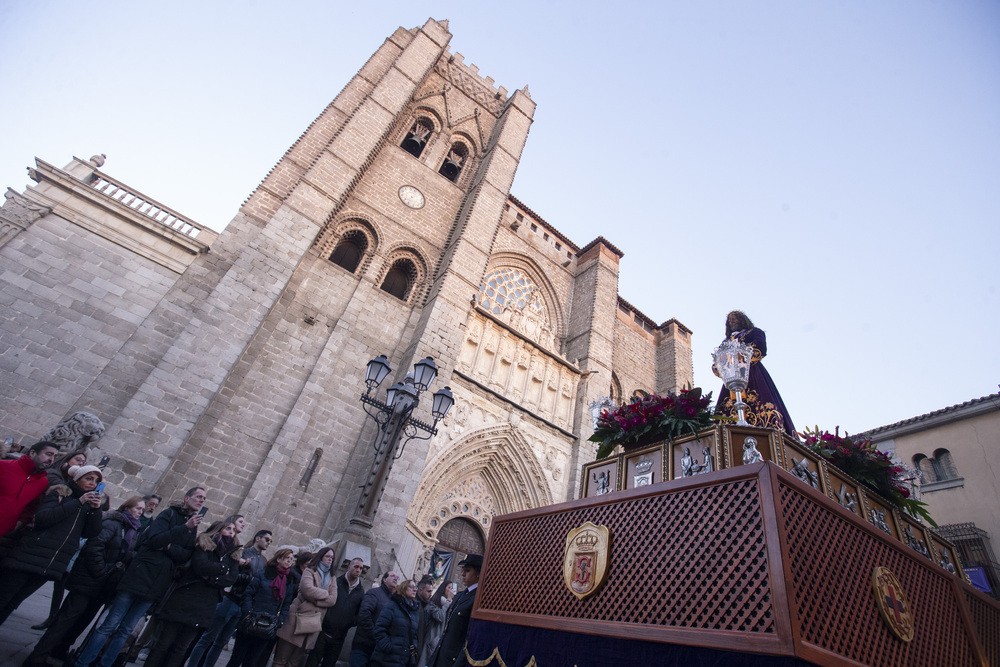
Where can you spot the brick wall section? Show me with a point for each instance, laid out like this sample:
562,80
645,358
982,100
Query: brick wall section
674,364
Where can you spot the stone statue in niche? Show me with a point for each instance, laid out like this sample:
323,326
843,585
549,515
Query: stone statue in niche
802,471
750,453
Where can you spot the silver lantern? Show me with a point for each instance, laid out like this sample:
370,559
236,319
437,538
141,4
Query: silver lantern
732,361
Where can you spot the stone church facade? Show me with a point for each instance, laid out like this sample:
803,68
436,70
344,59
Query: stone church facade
236,361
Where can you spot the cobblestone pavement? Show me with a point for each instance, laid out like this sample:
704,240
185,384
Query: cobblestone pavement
17,638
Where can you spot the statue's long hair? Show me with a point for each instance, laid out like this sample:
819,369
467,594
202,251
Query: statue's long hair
737,321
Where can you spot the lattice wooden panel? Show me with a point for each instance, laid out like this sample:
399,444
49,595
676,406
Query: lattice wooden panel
695,559
831,563
987,621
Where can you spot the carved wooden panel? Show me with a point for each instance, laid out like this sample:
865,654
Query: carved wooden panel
831,560
695,558
986,619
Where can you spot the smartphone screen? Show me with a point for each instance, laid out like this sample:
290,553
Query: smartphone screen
203,510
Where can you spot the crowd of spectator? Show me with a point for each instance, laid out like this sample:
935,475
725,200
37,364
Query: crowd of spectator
164,582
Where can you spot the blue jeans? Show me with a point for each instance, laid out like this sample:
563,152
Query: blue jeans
122,616
360,657
213,640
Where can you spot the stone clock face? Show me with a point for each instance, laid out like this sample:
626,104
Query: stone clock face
411,196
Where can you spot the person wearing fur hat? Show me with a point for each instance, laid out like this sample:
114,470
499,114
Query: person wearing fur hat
191,606
169,541
66,513
92,581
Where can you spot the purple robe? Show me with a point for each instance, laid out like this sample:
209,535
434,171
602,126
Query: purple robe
765,407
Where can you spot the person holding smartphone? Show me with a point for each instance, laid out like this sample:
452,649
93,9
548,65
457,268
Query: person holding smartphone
168,542
66,513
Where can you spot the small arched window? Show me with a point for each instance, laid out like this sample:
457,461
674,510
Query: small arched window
350,250
416,139
453,163
938,468
400,278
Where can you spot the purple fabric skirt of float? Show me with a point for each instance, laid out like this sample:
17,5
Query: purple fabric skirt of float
490,643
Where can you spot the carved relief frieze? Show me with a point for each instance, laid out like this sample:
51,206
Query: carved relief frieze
470,84
518,369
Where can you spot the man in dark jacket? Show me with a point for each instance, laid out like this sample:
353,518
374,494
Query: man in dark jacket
167,543
22,482
66,513
451,651
371,606
339,618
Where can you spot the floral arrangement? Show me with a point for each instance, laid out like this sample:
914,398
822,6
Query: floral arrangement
646,418
870,466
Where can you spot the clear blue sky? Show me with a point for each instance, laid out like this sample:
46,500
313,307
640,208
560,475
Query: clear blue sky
832,168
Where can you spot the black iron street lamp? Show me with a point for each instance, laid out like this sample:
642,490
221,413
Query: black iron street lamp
395,422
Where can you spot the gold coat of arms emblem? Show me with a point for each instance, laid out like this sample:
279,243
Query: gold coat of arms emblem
893,603
585,562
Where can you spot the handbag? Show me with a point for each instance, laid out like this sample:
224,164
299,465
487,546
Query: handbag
259,625
308,622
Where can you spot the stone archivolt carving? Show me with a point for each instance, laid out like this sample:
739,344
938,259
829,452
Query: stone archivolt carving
492,469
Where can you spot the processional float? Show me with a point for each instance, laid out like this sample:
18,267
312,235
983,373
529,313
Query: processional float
732,546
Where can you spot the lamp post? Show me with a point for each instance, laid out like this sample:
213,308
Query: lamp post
396,425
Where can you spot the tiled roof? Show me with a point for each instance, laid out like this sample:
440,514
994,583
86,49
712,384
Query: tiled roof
937,417
600,239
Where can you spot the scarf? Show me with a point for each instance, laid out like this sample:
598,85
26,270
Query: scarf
278,584
131,527
226,544
324,574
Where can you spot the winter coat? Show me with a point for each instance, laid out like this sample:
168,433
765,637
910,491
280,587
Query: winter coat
102,560
312,597
396,632
21,484
432,626
450,651
260,598
246,574
166,544
343,615
371,607
60,521
199,588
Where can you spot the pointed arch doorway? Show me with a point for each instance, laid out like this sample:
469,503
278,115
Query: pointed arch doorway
461,537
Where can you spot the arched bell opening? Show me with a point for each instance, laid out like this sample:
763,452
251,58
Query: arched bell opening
453,163
416,139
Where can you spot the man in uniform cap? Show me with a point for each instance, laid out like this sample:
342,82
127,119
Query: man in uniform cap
451,650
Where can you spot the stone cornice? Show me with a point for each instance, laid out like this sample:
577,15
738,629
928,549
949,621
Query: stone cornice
80,203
